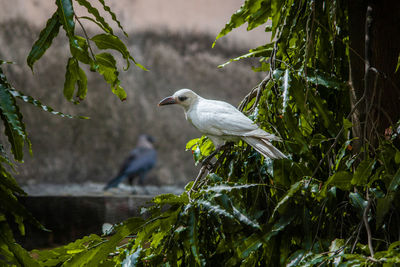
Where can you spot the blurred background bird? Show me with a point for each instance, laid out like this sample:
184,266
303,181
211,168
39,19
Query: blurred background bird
139,162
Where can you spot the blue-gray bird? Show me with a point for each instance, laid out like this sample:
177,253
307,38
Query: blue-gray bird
140,161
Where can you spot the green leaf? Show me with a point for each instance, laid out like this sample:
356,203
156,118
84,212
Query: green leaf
227,187
281,224
192,143
37,103
394,184
215,209
318,139
324,79
341,180
398,64
264,50
358,202
250,244
108,41
322,110
170,199
113,16
285,89
244,218
259,16
46,37
252,12
95,22
277,13
363,172
383,207
74,75
94,256
99,19
193,235
20,213
12,119
106,60
66,16
347,124
9,182
59,255
80,51
82,84
106,66
293,190
236,20
22,256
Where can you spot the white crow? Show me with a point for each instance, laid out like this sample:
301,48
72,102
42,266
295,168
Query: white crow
222,122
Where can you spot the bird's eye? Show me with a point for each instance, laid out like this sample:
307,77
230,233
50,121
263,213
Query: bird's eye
182,98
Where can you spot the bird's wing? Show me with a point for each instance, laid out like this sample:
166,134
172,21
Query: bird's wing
132,156
142,163
220,118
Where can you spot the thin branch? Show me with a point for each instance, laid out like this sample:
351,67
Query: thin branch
367,68
367,227
356,240
207,165
199,176
86,36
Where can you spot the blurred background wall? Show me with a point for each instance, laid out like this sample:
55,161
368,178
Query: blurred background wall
172,39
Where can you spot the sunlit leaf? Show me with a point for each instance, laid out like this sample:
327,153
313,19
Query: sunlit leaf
109,41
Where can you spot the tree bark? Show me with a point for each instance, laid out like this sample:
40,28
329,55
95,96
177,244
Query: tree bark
380,107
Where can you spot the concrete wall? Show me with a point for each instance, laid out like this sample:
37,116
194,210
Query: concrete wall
173,40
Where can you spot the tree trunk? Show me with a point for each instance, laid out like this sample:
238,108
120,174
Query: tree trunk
375,47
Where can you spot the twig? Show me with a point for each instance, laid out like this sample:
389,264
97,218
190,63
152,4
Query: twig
86,36
337,251
355,241
205,165
367,68
367,227
199,176
319,224
255,92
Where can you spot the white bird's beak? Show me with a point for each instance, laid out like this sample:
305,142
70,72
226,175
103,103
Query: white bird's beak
167,101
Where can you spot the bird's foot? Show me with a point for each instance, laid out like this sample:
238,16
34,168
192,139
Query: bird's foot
207,161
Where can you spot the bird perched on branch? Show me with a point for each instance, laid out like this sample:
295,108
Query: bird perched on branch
140,161
222,122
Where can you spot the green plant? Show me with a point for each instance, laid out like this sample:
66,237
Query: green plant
335,201
75,86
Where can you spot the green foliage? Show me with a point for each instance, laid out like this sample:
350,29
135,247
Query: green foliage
75,85
309,209
91,249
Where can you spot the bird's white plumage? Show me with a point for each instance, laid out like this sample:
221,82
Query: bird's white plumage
221,121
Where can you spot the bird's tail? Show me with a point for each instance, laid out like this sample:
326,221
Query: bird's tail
264,147
114,182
